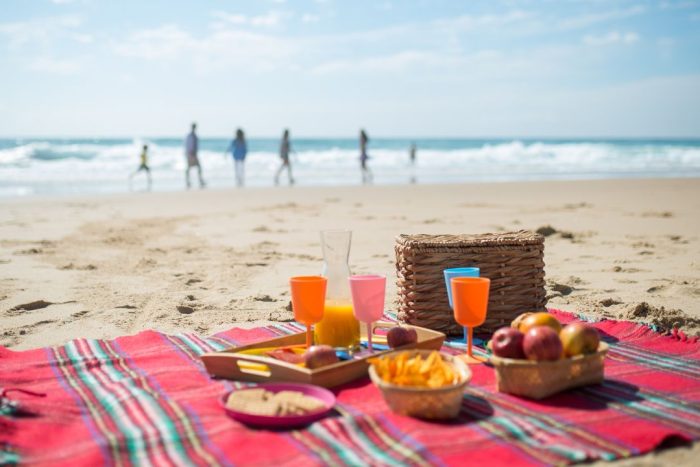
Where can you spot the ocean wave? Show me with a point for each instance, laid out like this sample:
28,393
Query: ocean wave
61,166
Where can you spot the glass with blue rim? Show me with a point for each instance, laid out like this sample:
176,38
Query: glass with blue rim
458,272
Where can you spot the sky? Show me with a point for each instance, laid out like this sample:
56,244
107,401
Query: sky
324,68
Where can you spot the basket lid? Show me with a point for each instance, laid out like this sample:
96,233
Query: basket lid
519,238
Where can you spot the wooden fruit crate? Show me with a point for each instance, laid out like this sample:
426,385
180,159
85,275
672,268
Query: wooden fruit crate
538,380
232,364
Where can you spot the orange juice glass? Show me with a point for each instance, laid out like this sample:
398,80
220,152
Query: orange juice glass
308,299
339,327
470,297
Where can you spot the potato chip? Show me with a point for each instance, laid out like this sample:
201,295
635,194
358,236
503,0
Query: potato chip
432,372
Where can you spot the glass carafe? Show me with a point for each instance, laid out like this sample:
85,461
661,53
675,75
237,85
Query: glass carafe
339,328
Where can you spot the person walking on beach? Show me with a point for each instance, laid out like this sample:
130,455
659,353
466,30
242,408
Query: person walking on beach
412,161
366,173
239,150
143,166
285,149
191,148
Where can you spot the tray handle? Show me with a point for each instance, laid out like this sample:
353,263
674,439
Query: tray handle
242,367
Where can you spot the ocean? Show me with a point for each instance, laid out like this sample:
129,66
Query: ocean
48,166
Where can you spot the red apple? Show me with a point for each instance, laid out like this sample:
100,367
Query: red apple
579,338
401,335
542,343
317,356
508,343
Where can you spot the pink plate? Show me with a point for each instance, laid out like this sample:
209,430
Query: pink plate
285,421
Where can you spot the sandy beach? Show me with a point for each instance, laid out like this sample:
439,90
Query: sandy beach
205,261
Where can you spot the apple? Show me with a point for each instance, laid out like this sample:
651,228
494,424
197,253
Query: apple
542,343
579,338
317,356
517,321
540,319
400,335
508,343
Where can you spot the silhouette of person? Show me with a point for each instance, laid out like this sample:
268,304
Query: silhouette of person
191,149
412,160
285,149
143,166
239,151
366,173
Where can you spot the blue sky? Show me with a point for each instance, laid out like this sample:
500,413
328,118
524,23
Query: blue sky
325,68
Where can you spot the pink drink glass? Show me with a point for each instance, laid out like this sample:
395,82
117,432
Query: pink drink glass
368,300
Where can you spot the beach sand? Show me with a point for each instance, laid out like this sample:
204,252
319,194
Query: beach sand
205,261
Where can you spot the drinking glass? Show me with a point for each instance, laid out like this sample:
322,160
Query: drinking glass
368,293
308,300
470,297
458,272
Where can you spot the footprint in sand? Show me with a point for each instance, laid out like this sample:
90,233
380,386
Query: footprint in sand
606,302
628,270
264,298
185,309
31,306
658,214
29,251
281,316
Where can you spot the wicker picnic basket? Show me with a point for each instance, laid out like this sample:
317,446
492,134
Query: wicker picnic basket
538,380
513,261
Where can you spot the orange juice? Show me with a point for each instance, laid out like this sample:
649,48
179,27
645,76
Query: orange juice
339,327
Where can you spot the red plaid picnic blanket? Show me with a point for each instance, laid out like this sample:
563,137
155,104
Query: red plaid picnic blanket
146,399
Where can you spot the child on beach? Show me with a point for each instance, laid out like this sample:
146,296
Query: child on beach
366,173
191,148
142,166
239,150
285,149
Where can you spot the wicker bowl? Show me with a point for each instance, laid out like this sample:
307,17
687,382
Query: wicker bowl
538,380
430,403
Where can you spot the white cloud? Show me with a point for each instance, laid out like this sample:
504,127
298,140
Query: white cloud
310,18
583,21
272,18
41,31
232,18
471,22
55,66
217,49
388,63
269,19
613,37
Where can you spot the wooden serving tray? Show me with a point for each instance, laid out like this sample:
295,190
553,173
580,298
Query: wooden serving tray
231,364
